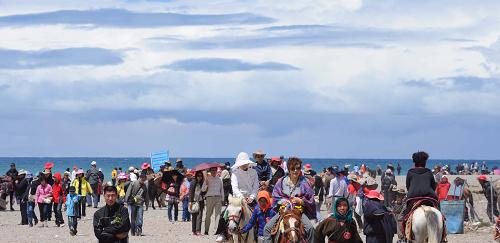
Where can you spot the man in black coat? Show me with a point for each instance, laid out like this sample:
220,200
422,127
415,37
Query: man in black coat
111,222
491,197
21,186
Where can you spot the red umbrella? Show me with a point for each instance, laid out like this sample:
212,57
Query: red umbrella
206,166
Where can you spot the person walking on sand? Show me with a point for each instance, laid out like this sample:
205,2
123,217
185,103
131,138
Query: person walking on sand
58,195
82,188
21,185
196,202
92,177
491,197
43,199
135,197
184,196
71,204
111,222
214,197
12,173
31,197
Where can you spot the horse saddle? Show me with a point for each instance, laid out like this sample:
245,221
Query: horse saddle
417,202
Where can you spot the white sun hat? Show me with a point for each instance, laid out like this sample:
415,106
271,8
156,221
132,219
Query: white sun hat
242,159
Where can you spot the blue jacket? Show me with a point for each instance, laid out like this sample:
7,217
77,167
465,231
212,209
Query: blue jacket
261,218
263,171
71,201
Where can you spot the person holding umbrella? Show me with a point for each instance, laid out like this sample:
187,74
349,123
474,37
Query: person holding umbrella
173,179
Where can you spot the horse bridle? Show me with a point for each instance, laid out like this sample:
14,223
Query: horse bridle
236,218
297,230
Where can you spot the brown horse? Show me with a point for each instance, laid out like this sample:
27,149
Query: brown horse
290,227
155,190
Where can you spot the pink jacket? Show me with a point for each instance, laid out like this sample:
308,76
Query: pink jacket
43,192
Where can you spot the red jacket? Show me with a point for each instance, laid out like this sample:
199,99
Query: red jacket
57,190
442,189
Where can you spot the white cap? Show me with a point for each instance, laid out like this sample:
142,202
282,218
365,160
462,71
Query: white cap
93,163
131,168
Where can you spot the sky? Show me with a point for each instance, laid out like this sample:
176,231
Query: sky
316,79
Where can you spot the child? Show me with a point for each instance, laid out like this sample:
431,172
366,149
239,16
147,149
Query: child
261,214
58,193
71,203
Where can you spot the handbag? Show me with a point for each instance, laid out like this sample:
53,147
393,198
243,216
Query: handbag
47,200
31,198
195,207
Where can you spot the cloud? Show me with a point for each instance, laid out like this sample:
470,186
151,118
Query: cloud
17,59
222,65
127,19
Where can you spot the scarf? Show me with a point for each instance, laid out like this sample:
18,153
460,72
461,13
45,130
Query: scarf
339,217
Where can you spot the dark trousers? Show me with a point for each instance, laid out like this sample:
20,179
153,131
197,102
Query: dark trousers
49,211
24,212
11,199
44,211
58,214
196,219
80,207
495,209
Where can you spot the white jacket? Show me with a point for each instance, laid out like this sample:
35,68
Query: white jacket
245,183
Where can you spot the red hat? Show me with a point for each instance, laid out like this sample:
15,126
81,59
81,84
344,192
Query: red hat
483,178
275,159
145,165
374,195
307,167
49,165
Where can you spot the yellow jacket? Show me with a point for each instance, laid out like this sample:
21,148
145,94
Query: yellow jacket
121,190
114,173
85,186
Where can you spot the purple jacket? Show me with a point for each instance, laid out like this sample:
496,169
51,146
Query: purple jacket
306,194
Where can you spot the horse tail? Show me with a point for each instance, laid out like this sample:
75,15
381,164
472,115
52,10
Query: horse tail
434,224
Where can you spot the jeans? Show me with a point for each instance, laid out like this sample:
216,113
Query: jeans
308,227
31,213
197,218
24,212
94,196
136,213
44,211
72,223
318,213
175,205
58,214
186,216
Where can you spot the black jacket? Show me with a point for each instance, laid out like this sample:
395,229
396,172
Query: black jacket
22,190
420,183
378,221
109,221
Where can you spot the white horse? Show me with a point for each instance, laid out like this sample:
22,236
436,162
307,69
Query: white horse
238,216
427,225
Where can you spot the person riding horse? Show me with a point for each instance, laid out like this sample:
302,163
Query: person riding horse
420,184
293,188
245,185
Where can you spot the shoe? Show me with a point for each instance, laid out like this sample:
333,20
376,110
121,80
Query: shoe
220,238
36,221
72,233
133,233
12,209
31,225
62,225
206,233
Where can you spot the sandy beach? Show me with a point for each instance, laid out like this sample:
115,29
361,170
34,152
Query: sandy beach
157,227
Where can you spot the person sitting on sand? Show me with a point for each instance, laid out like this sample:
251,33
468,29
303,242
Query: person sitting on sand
339,227
111,222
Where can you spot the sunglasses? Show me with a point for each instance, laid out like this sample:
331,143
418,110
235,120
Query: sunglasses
298,168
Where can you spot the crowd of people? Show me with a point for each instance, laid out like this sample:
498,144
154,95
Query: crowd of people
266,186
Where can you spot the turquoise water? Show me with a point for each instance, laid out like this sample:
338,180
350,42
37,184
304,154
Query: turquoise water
35,164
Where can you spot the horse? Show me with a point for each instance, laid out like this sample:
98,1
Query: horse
239,214
427,225
155,190
291,229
